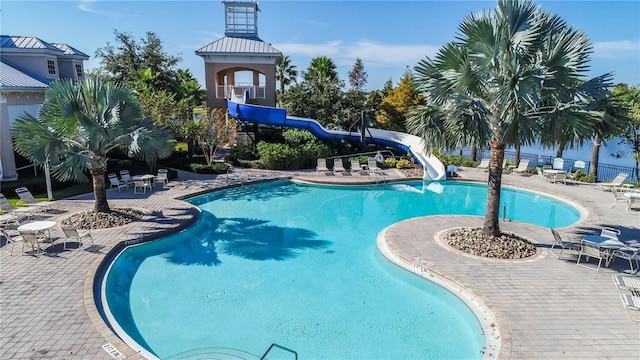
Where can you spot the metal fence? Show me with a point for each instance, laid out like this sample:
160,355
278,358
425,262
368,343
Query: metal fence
606,172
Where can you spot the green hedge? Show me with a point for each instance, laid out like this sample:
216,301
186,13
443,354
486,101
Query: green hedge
215,168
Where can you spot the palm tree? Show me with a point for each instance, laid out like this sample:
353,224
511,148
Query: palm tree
485,89
80,124
286,73
321,70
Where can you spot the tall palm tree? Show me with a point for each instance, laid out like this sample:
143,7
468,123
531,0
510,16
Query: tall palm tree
321,70
80,124
485,89
286,73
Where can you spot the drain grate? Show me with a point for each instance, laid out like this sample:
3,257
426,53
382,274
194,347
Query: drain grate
113,352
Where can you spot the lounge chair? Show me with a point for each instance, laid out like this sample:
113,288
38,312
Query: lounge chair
113,179
591,250
562,244
629,289
617,182
629,254
558,164
126,177
523,165
577,166
27,199
355,167
162,177
629,283
71,233
484,165
631,303
372,167
322,166
338,167
11,213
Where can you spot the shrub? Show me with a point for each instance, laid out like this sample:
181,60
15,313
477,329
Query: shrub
582,176
390,162
215,168
403,164
242,152
278,156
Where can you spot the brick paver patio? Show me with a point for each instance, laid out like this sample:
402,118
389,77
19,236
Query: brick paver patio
543,307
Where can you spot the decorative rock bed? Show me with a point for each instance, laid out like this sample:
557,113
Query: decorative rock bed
92,220
473,241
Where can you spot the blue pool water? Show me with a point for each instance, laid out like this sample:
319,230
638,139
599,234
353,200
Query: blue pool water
297,265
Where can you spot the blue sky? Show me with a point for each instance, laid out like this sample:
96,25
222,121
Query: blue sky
387,35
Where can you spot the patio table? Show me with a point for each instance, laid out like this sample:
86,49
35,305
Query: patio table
41,227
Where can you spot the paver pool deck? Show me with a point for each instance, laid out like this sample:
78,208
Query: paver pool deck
543,307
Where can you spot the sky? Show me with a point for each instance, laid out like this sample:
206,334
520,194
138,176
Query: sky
388,36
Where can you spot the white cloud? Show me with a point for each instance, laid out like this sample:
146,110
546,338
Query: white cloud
85,5
378,54
616,49
330,49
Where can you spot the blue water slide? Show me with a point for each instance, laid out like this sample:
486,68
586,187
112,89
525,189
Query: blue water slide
433,168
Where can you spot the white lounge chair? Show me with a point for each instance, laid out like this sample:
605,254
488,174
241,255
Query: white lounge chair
321,167
617,182
126,177
11,213
630,283
372,167
631,303
355,167
523,165
484,165
562,244
27,199
162,177
113,179
338,167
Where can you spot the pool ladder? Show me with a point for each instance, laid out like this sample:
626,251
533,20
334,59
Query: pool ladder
295,354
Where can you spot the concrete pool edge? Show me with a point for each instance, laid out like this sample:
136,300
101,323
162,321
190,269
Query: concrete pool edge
497,345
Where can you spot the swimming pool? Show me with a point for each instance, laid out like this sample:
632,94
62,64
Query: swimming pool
297,265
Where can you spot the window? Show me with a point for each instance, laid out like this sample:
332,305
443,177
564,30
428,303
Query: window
241,20
51,65
79,72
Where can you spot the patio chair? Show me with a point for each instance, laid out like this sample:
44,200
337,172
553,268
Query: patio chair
10,240
610,232
338,167
523,165
71,233
629,254
633,204
141,186
484,165
162,177
562,244
31,238
355,167
126,177
321,167
27,199
618,196
616,182
591,250
561,176
113,179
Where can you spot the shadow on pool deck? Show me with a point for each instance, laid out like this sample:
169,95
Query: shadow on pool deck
546,308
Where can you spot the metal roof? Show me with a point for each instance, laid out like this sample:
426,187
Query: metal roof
235,45
13,77
69,50
25,43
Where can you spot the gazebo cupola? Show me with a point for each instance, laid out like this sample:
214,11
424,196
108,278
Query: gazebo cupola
240,61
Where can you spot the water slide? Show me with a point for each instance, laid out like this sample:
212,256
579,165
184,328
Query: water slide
433,169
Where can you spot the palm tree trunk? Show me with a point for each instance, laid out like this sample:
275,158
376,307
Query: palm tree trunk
491,225
560,151
474,153
100,193
517,156
595,156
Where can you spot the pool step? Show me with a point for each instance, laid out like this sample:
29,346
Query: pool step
214,353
